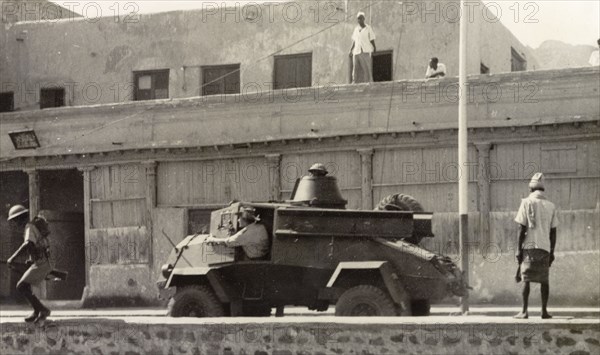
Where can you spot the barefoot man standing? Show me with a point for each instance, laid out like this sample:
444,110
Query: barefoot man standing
537,238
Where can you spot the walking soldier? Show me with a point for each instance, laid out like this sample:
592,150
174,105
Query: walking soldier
36,245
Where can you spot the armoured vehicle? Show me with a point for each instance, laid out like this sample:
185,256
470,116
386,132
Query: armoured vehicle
366,263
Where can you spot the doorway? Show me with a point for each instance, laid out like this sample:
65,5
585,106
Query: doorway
383,66
14,189
61,203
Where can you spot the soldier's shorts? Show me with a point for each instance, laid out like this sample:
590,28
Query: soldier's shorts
36,273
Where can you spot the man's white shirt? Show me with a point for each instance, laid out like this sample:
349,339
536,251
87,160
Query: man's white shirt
441,68
362,38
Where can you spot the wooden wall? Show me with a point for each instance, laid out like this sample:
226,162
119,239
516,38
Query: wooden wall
212,182
429,173
572,169
118,232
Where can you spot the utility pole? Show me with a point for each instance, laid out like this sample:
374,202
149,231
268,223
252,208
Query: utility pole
463,182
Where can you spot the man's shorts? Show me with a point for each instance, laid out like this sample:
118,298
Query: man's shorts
535,266
36,273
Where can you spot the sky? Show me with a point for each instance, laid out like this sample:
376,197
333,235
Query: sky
532,22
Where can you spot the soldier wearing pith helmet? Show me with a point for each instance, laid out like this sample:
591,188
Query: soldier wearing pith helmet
36,245
537,220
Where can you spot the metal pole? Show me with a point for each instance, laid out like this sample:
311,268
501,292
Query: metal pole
463,187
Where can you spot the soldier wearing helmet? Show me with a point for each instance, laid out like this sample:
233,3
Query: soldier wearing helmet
252,237
37,246
318,170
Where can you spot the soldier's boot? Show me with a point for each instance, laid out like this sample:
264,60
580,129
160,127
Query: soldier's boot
38,308
32,317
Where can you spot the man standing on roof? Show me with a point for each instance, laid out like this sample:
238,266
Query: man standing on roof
363,47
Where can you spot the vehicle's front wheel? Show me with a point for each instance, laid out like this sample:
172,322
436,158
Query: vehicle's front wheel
195,301
365,301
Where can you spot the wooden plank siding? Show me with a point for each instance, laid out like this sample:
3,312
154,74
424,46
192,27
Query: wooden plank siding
212,182
428,174
572,170
118,222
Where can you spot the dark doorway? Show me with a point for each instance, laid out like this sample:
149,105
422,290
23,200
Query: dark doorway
52,97
383,66
221,79
292,71
61,202
7,101
14,189
517,61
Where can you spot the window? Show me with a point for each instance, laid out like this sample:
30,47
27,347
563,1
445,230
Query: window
517,61
221,79
52,97
7,101
151,85
293,71
483,69
382,66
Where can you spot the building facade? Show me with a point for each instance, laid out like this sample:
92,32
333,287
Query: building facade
122,180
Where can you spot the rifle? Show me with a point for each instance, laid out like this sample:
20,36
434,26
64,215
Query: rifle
54,275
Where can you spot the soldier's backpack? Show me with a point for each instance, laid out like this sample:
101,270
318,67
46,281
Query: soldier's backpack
42,225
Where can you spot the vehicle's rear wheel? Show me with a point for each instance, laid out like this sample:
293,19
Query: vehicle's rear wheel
399,202
420,308
365,301
195,301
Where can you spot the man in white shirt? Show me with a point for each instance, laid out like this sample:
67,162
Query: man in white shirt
363,47
435,69
537,221
595,57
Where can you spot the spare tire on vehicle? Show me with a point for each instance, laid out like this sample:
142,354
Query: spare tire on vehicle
405,203
399,202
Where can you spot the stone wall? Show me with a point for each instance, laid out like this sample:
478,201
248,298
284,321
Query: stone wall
392,336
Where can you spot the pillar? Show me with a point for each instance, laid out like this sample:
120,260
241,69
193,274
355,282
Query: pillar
483,186
34,192
274,167
150,167
151,203
87,221
34,209
366,185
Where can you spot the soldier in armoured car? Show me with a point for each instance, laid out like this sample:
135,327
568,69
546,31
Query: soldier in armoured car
252,238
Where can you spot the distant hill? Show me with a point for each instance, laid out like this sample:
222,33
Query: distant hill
556,54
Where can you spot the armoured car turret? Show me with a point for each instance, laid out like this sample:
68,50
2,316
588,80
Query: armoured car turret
365,263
